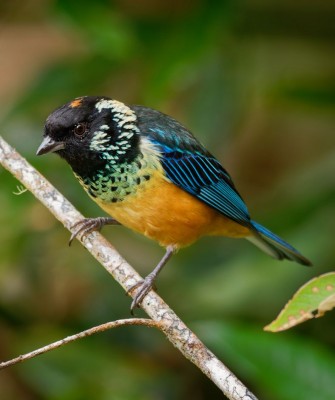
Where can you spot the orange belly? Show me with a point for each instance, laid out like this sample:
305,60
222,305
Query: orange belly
165,213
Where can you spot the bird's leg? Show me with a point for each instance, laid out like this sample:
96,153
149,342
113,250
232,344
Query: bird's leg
146,285
88,225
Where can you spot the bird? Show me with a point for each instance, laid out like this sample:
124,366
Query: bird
149,173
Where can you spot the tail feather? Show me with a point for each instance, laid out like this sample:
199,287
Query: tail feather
275,246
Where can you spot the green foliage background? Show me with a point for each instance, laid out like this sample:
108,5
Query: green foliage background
254,80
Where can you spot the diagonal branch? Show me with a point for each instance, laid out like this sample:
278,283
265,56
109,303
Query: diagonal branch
173,328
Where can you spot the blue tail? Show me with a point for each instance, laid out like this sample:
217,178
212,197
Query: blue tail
275,246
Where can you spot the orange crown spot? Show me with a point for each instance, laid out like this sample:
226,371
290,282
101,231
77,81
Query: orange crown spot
76,103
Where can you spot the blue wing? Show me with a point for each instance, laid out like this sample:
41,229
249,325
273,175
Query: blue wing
190,166
205,178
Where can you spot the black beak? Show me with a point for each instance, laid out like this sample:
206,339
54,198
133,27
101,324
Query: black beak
48,145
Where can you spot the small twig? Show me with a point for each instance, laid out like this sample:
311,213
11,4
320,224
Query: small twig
174,329
88,332
20,190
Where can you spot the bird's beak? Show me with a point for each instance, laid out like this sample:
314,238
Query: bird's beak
48,145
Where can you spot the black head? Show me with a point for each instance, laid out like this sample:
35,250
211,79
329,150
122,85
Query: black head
90,132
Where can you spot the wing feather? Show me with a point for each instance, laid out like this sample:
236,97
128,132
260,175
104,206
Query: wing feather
203,177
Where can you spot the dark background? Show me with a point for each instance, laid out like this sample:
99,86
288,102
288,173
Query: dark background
254,80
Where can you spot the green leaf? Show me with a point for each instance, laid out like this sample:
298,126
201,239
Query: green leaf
316,295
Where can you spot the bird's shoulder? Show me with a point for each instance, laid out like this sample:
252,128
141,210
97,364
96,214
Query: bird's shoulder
167,132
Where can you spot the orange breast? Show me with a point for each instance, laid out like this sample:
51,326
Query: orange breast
165,213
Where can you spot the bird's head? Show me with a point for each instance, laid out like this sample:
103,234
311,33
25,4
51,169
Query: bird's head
90,132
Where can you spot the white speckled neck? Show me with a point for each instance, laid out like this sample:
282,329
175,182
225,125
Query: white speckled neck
124,117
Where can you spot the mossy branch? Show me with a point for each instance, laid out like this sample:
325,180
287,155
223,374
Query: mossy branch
167,321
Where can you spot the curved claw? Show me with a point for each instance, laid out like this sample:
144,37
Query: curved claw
88,225
143,288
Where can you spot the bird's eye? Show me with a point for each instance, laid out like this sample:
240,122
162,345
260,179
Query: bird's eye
80,129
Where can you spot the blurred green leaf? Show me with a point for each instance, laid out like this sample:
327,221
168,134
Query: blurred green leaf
105,31
316,295
321,95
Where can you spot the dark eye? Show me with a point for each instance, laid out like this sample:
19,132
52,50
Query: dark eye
80,129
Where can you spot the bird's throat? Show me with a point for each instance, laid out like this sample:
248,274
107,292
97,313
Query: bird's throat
112,184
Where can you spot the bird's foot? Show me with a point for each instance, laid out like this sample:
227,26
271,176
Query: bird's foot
142,288
88,225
